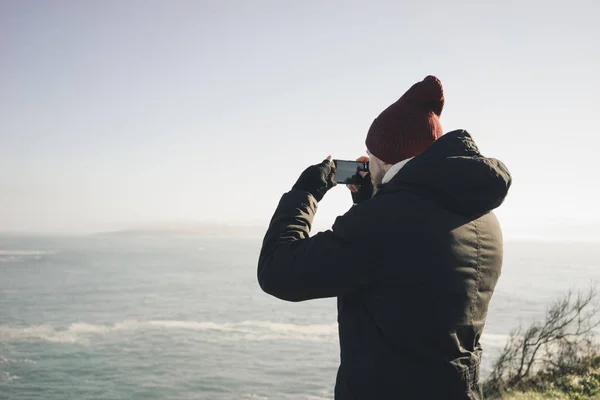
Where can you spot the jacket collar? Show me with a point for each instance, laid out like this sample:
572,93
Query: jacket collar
455,174
394,170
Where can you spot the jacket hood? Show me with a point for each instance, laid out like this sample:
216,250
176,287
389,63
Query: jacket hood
453,172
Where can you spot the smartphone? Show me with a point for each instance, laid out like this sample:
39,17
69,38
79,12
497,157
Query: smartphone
348,172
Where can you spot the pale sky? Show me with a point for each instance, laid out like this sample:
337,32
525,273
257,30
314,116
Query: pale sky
118,114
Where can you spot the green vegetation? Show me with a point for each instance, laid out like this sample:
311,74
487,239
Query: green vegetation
570,386
558,358
536,396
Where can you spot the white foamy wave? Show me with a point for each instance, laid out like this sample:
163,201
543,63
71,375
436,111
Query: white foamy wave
22,255
82,332
8,377
260,330
326,394
246,330
6,360
38,332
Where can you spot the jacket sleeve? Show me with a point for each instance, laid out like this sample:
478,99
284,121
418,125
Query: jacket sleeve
295,267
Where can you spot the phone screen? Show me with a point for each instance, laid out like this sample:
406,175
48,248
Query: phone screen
347,172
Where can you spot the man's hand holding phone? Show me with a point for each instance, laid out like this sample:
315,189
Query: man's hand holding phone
317,179
364,189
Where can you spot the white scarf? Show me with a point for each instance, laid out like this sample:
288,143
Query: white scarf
394,170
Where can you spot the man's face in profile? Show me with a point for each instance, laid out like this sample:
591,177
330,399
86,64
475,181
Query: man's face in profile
377,168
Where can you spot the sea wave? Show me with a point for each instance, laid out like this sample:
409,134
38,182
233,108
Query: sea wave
22,255
6,360
8,377
325,395
82,332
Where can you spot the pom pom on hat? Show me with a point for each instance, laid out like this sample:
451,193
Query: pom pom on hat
410,125
427,94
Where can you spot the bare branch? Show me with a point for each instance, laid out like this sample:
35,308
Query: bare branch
562,341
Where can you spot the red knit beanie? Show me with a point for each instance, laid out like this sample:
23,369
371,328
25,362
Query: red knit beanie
410,125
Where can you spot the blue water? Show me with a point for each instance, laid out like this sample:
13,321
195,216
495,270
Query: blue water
111,317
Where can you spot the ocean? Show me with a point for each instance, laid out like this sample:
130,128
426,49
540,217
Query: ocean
117,317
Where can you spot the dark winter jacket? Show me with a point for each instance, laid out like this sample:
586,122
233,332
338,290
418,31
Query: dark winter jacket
413,269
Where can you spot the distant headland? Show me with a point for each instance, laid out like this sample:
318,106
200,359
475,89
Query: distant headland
211,229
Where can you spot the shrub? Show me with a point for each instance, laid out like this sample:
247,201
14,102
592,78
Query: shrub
560,354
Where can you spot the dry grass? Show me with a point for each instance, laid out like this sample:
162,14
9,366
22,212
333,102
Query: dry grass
536,396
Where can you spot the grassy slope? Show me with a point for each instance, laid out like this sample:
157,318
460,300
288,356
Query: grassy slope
536,396
582,386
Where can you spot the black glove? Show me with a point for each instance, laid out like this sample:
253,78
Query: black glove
317,179
365,190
